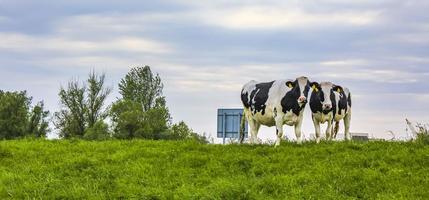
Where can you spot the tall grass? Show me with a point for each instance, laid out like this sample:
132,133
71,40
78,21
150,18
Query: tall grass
423,134
137,169
420,132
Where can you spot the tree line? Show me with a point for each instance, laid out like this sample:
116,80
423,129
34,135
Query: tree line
140,112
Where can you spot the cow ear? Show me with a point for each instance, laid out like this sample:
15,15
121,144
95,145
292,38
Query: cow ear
290,84
315,86
337,88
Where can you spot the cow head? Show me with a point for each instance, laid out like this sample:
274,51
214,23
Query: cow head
325,93
300,88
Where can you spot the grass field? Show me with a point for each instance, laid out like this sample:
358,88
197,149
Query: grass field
140,169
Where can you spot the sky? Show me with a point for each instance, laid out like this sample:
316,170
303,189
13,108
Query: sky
205,51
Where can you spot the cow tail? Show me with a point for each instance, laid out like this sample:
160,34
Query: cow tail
336,129
242,127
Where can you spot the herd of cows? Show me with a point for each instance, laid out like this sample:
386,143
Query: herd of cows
282,102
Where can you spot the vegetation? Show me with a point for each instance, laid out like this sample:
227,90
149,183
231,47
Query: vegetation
419,131
142,110
181,131
91,164
140,113
82,106
18,119
38,125
145,169
422,134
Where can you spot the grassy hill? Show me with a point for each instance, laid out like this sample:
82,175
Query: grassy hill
139,169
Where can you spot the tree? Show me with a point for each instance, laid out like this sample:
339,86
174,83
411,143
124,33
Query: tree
70,120
142,86
157,119
14,108
96,96
38,126
142,111
82,106
127,117
18,119
131,122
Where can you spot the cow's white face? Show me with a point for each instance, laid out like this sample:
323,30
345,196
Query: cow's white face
304,88
300,88
326,90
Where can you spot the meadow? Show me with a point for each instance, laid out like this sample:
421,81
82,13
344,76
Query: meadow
144,169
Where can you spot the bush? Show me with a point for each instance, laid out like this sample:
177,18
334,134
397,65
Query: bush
181,131
99,131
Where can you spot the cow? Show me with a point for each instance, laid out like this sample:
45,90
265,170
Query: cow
275,103
330,103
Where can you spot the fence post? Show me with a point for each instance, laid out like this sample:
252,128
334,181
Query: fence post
224,127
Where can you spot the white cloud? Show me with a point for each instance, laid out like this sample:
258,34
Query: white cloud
344,63
226,15
412,59
191,78
113,23
375,74
28,43
275,17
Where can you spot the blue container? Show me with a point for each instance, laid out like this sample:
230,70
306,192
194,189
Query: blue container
228,123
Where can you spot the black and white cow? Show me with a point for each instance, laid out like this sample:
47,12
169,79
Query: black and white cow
330,103
275,103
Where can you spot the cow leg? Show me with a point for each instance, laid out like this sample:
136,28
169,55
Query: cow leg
257,125
335,129
316,124
347,120
254,128
298,130
279,129
329,130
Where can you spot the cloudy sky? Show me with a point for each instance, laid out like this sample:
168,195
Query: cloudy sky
206,50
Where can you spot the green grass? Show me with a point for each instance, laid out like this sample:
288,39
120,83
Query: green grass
74,169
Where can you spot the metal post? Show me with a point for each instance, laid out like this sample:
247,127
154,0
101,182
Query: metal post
239,126
224,127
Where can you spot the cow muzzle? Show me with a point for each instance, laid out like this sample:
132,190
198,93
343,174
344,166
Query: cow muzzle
302,99
327,106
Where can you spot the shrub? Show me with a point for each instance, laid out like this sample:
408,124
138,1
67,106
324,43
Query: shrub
99,131
181,131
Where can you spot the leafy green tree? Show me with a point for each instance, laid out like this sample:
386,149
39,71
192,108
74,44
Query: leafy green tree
70,120
14,108
38,126
82,106
127,117
96,96
157,119
142,86
142,111
18,119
